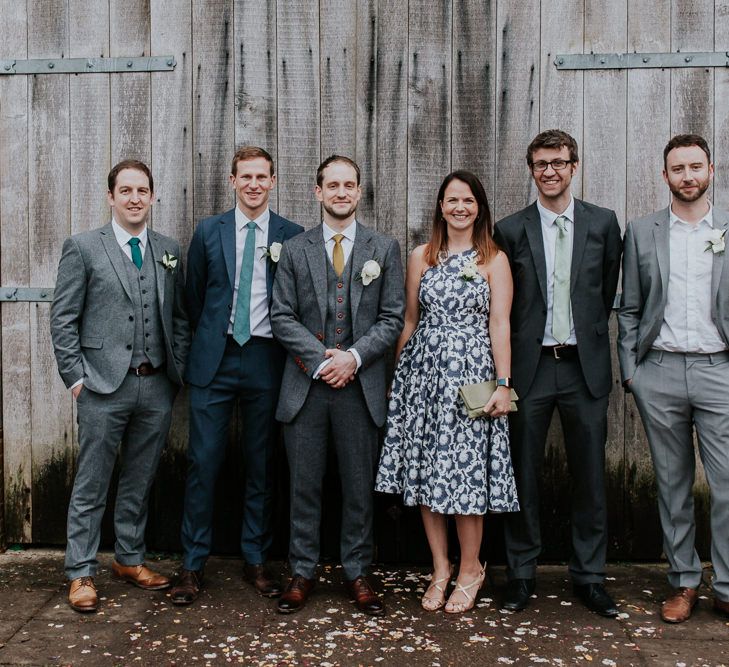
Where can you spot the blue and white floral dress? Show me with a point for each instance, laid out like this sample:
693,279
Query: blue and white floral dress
434,453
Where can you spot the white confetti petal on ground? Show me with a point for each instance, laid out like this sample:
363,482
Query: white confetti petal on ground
564,603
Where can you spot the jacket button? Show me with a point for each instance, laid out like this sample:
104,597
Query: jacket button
340,316
129,347
230,306
539,340
339,331
340,285
340,299
131,318
339,346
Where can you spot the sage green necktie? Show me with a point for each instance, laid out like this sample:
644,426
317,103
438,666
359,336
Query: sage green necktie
242,321
561,293
136,252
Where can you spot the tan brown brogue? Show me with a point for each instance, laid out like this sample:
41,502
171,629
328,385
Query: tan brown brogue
721,607
678,607
82,595
141,576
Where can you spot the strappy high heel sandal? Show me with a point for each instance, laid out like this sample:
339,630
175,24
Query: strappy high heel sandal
475,586
440,585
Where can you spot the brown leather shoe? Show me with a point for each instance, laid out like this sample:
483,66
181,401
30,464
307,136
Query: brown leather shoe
364,596
295,595
262,580
721,607
678,607
82,595
187,587
141,576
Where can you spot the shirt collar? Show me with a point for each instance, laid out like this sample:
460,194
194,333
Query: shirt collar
708,218
123,236
348,233
241,220
548,217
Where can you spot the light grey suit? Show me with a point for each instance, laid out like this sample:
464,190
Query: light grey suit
675,391
306,318
99,316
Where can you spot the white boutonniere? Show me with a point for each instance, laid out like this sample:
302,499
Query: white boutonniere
169,261
469,270
370,271
716,242
273,252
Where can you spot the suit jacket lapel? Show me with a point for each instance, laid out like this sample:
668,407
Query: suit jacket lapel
153,254
227,241
661,232
316,257
717,266
533,229
361,252
580,225
275,235
114,253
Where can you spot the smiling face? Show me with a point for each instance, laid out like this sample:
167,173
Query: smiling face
339,192
553,184
459,206
131,200
253,182
688,173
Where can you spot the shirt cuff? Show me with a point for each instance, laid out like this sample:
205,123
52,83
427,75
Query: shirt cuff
320,368
77,383
356,356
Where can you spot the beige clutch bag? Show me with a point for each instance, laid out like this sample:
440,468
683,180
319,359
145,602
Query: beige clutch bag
475,397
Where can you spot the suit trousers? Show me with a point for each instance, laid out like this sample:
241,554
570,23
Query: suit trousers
676,392
251,373
339,416
560,383
137,415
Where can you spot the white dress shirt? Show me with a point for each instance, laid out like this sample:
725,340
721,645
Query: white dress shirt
687,324
347,244
123,236
260,321
550,231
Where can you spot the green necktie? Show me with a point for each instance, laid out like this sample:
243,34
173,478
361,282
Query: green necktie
561,293
136,252
242,321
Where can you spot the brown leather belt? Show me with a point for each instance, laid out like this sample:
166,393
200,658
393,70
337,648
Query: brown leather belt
144,369
560,351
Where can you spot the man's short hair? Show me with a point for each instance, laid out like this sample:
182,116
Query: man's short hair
128,164
330,160
250,153
553,139
684,140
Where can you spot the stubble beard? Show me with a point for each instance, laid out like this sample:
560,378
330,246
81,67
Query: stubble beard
337,215
703,186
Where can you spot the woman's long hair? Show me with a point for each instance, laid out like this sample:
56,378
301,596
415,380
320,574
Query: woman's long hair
483,226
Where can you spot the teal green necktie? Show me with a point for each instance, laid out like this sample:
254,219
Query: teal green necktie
561,293
242,321
136,252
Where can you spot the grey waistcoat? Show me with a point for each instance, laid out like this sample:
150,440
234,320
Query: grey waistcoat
338,329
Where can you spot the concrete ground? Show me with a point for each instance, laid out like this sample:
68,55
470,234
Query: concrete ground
229,623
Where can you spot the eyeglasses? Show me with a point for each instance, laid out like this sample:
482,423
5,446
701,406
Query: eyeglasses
557,165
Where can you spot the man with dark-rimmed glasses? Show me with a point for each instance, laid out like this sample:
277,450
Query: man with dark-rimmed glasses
565,258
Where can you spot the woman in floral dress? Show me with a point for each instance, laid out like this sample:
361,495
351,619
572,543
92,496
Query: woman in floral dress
458,291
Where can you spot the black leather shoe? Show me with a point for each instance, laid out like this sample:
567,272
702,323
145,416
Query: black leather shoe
596,598
262,580
517,594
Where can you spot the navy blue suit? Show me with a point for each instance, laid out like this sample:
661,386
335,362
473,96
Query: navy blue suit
219,372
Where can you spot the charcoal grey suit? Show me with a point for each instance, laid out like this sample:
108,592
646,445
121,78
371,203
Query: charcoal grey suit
107,316
312,311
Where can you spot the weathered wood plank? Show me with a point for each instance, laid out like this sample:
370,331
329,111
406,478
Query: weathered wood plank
517,103
473,106
299,152
49,206
213,115
15,270
129,35
721,108
429,110
255,78
648,128
392,122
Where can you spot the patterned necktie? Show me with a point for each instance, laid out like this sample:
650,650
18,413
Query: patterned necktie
242,321
561,293
338,255
136,252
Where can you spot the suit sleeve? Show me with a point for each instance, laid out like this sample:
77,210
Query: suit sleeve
501,240
631,308
611,264
180,322
67,309
196,276
299,342
390,320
